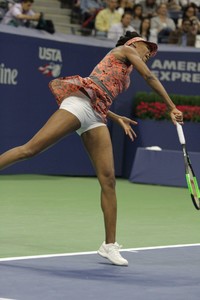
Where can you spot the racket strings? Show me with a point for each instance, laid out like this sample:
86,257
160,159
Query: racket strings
193,188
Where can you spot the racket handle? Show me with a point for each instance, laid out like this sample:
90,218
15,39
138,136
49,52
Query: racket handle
180,133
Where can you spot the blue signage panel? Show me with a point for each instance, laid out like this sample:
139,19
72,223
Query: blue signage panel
27,64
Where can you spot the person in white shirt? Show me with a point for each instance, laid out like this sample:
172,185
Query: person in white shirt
162,25
20,14
119,29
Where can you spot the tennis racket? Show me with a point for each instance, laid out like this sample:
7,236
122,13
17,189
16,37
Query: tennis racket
189,173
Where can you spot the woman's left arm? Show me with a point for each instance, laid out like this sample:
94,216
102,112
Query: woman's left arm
154,83
125,123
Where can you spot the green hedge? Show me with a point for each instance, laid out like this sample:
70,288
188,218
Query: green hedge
177,99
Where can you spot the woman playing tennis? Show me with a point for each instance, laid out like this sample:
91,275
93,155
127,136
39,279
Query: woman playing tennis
84,107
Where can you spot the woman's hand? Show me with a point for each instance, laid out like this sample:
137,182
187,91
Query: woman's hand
176,116
126,123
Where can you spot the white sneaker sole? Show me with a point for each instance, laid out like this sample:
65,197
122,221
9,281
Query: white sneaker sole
104,255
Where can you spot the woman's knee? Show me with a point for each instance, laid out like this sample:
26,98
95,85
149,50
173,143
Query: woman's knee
107,181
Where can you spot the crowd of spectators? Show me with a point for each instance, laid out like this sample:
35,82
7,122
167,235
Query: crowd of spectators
161,21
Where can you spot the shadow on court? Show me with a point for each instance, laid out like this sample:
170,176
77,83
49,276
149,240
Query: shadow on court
156,274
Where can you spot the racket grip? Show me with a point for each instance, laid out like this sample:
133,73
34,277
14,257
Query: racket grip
180,133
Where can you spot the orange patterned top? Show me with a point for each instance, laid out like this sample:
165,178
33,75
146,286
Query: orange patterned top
113,76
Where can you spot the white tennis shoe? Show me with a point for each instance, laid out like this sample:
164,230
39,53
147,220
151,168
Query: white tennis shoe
111,252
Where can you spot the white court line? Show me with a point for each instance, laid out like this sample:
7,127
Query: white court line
161,247
6,299
94,252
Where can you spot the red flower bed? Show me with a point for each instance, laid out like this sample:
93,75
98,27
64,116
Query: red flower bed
158,111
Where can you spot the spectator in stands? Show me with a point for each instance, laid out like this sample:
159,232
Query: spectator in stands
89,10
119,29
106,18
21,14
190,12
149,8
174,10
195,25
144,30
137,16
173,5
161,25
183,36
125,6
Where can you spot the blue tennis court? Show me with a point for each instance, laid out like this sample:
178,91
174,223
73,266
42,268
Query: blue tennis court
161,273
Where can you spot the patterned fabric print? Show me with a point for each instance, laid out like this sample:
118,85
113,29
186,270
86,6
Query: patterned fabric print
64,87
113,73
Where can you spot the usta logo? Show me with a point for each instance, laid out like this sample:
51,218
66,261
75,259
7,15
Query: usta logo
54,58
50,54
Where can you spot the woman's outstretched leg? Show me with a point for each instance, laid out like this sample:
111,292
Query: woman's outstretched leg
60,124
98,144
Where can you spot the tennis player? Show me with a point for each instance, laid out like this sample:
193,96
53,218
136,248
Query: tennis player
84,107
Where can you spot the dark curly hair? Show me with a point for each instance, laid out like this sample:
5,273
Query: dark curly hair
125,38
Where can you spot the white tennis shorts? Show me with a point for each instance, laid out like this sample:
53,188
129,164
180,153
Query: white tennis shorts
79,105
